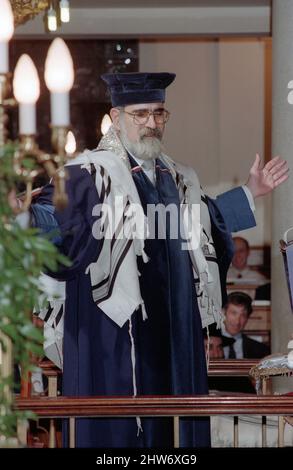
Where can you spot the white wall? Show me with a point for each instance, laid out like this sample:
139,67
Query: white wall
217,106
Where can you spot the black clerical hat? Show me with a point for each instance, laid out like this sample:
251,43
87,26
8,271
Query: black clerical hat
214,331
136,88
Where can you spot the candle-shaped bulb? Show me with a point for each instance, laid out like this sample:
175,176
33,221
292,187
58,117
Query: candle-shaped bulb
59,72
106,124
26,89
26,83
64,11
59,78
70,146
6,33
6,21
52,20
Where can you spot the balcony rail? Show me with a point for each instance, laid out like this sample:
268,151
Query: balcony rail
200,405
220,404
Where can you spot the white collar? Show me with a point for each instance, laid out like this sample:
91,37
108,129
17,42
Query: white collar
225,333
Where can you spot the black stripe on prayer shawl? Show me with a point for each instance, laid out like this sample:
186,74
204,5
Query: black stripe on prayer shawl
98,286
215,260
120,225
93,172
118,229
125,251
204,199
106,184
112,276
114,239
204,231
102,195
59,315
102,288
106,192
179,181
180,186
108,189
48,314
104,227
210,242
102,241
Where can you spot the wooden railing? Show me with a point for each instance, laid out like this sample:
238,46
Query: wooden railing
53,407
201,405
161,406
217,368
231,367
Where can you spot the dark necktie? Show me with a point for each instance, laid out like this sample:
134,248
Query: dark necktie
232,354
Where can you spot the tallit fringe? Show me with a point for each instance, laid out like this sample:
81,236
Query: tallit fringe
208,349
53,330
143,309
138,420
144,256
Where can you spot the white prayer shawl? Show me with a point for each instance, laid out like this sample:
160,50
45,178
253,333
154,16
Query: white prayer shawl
114,275
53,317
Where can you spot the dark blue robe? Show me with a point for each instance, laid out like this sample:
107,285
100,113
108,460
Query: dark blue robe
169,346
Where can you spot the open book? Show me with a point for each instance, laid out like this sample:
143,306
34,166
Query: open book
286,246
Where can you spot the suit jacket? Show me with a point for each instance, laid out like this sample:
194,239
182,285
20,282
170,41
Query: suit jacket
253,349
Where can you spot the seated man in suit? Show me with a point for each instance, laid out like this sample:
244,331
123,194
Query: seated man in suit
240,271
233,344
237,311
215,342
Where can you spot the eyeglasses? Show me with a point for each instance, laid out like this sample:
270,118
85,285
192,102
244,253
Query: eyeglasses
141,116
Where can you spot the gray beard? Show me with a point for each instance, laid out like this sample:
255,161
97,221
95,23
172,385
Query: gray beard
148,148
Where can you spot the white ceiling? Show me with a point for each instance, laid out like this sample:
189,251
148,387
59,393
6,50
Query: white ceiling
151,18
164,3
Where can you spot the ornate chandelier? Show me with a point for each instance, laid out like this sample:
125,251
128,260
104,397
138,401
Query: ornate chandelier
24,10
56,11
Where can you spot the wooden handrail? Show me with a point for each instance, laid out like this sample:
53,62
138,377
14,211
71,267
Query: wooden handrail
49,369
231,367
216,367
202,405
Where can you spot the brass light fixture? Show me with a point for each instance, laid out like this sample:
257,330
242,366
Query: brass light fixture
59,77
56,11
24,10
